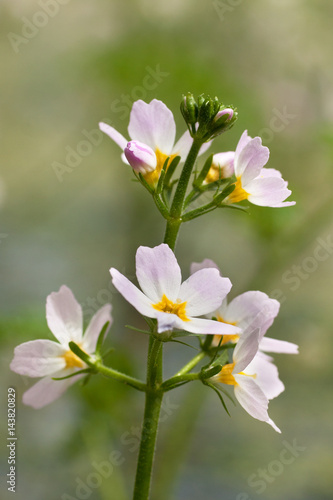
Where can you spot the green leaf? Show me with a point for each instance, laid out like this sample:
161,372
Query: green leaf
81,354
219,395
101,337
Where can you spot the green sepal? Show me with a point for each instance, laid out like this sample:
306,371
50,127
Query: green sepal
212,386
159,187
204,171
235,207
101,338
209,372
145,184
86,370
80,354
170,171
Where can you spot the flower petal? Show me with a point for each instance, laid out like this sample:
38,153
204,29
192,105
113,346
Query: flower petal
158,272
204,291
113,134
153,124
46,390
95,327
168,321
245,350
252,310
203,326
273,424
267,375
269,192
132,294
38,358
183,145
279,346
243,141
205,264
250,161
251,397
64,316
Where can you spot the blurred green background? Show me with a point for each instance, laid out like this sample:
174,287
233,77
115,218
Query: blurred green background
85,62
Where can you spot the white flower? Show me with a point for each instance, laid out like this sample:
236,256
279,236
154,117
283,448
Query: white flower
47,358
254,378
153,125
261,186
248,311
164,297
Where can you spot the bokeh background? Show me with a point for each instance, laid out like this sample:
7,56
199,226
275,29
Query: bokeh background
86,61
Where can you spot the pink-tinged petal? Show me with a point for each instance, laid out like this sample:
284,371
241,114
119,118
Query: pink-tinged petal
268,192
46,390
251,397
158,272
64,316
38,358
132,294
95,327
183,146
270,172
113,134
205,264
245,350
153,124
252,310
273,424
243,141
141,157
279,346
209,327
204,291
224,162
168,321
250,161
266,375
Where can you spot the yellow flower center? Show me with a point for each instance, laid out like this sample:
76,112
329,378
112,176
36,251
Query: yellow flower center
178,308
214,174
152,177
226,377
72,360
226,338
238,194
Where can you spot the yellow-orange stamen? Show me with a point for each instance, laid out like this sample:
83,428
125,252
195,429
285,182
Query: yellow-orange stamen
226,338
178,308
152,177
238,194
72,360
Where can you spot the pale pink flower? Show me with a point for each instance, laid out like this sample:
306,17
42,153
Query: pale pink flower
175,305
49,359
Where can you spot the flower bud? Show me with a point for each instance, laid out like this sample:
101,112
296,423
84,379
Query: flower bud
141,157
222,167
223,112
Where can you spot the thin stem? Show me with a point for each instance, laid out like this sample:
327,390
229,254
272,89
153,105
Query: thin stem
173,382
191,364
178,201
121,377
153,403
171,232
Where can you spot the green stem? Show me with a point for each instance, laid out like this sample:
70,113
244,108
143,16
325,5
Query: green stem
153,403
121,377
178,201
177,206
191,364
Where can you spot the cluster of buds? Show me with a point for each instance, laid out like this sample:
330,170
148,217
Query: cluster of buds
207,117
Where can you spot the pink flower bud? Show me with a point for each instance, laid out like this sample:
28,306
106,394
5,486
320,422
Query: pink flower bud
141,157
226,111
